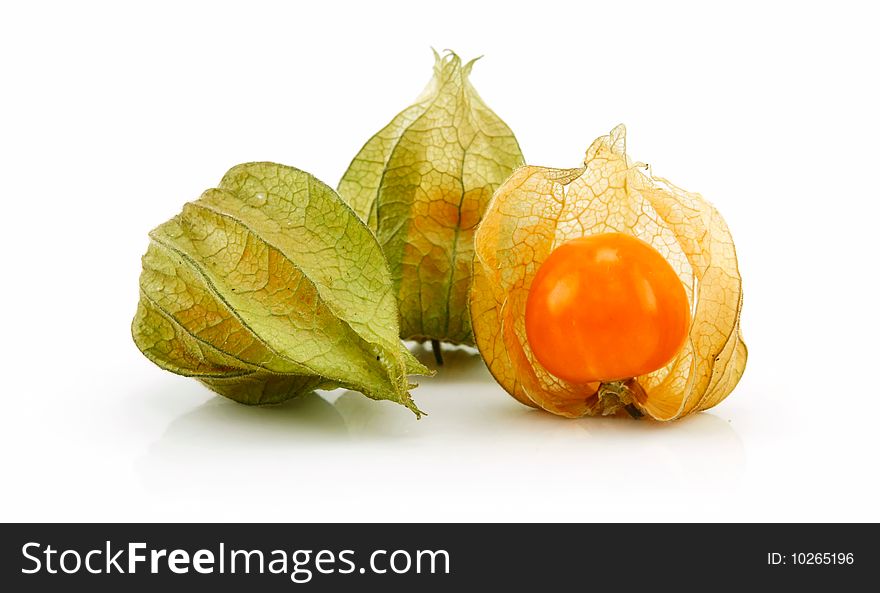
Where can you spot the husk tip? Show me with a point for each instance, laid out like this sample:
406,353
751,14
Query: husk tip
411,405
449,57
614,141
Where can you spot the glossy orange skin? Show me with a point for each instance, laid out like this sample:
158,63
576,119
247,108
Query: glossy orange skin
606,307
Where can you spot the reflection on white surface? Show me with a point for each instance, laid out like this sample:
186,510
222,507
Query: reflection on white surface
478,451
228,424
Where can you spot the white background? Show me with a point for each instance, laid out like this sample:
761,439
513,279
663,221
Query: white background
114,115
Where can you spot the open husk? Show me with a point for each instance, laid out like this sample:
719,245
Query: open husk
539,208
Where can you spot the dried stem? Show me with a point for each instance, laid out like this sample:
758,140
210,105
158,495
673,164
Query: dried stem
438,355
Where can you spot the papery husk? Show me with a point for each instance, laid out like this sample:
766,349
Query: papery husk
268,287
539,208
422,184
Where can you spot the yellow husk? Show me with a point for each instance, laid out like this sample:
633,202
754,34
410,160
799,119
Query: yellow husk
539,208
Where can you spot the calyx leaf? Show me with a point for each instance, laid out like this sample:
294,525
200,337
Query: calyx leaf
539,208
269,286
422,184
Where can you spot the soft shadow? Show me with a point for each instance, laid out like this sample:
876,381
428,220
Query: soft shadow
481,438
460,363
699,453
206,444
695,428
305,417
376,420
